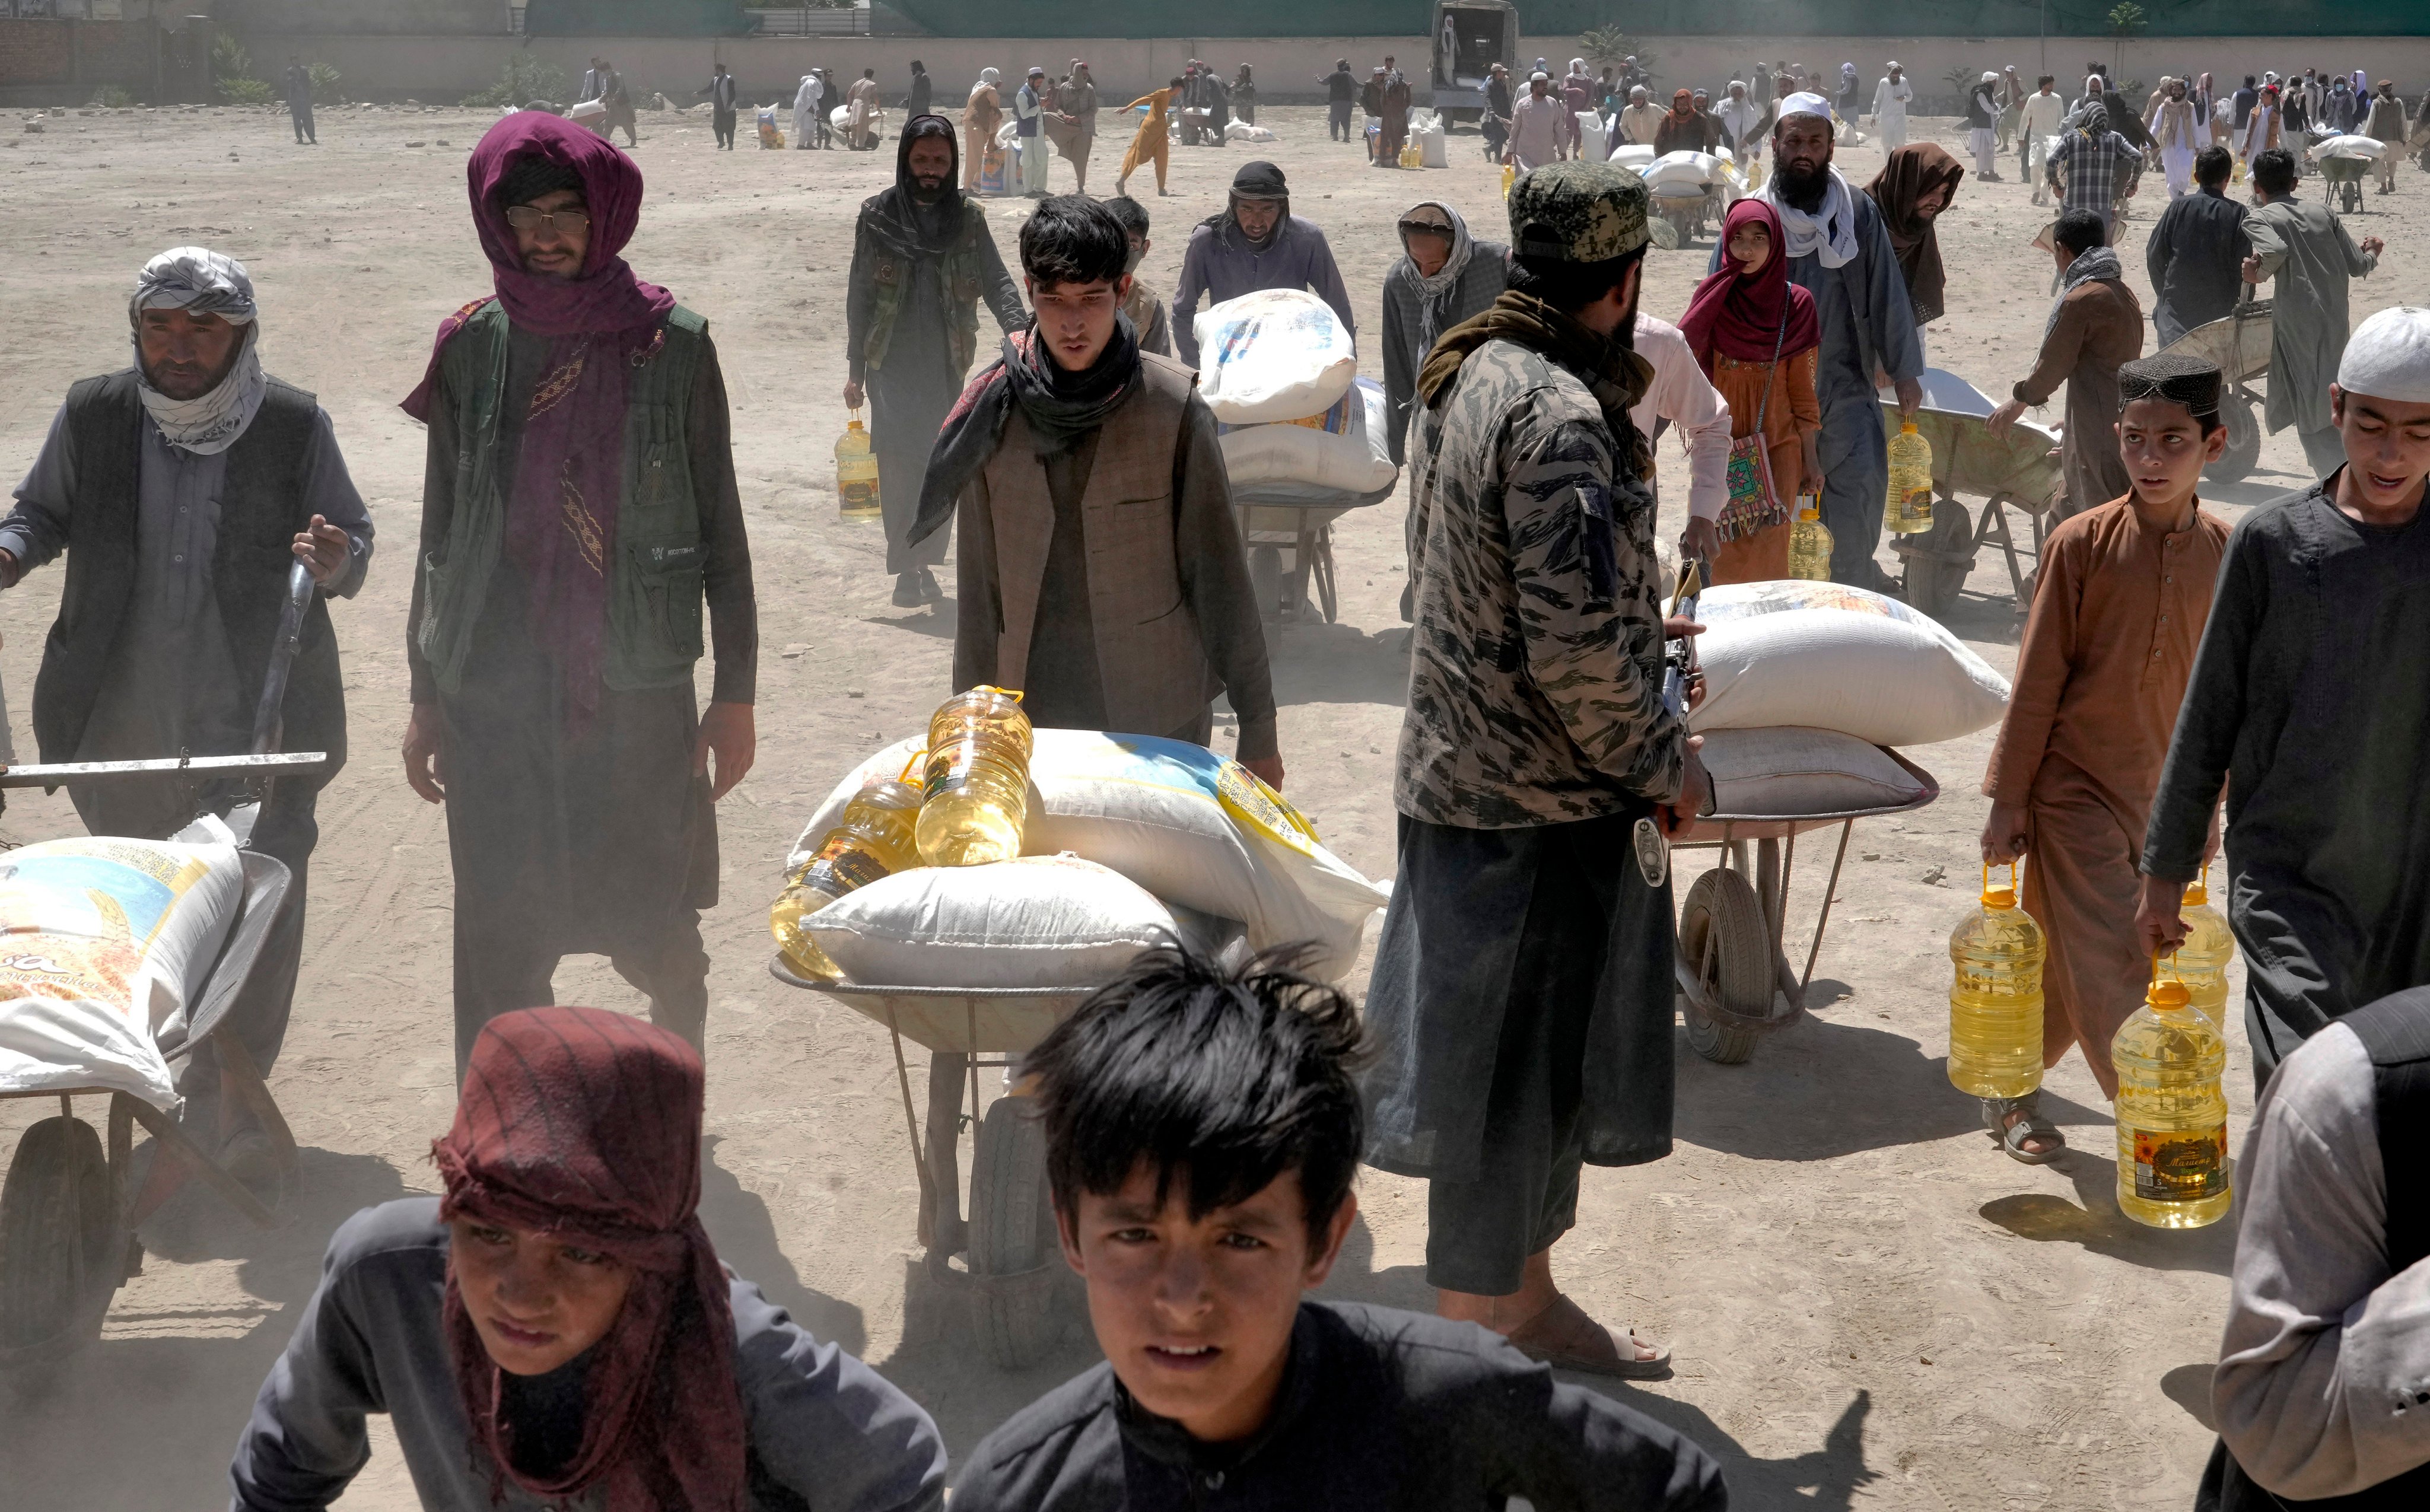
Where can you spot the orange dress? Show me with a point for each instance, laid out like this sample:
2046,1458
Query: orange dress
2118,608
1791,412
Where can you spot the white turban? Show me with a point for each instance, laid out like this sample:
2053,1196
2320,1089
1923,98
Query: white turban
1803,103
201,282
1989,77
2389,356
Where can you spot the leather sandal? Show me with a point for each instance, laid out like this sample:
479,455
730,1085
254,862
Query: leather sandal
1566,1339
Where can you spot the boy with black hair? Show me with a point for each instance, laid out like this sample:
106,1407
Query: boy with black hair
2196,251
1203,1127
1522,995
1143,304
2117,609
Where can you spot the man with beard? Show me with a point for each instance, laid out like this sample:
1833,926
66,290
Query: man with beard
1839,251
922,262
579,505
183,491
2181,132
1744,117
1522,1000
1982,127
1255,243
2099,167
1539,134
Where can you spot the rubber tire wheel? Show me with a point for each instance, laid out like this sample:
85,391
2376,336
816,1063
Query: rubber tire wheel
2243,442
1723,906
59,1242
1012,1232
1266,580
1933,584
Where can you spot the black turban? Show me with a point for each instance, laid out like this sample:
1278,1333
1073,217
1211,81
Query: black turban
2177,379
533,176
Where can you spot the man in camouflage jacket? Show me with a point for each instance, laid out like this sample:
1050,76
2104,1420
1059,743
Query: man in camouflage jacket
1522,997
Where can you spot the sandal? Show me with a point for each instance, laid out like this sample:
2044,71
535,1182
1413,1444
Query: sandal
1563,1337
2012,1136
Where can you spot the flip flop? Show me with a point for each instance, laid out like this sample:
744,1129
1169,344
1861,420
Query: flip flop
2012,1136
1566,1339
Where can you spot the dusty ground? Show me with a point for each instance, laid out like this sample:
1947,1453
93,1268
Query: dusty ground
1868,1304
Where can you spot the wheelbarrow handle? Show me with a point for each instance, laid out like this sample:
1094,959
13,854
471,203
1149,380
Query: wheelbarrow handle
267,717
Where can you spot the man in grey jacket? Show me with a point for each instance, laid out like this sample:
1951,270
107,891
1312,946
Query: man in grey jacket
1256,242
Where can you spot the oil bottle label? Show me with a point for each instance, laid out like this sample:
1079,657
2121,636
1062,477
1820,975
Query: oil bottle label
859,495
1247,799
849,865
2180,1167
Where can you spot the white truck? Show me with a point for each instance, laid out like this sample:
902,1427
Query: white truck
1469,36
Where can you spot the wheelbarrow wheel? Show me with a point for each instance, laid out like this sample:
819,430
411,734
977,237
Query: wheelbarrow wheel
1724,938
2243,442
1936,573
1012,1252
59,1244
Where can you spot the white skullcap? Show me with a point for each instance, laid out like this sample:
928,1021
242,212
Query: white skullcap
2389,356
1803,103
1540,74
1894,63
1989,77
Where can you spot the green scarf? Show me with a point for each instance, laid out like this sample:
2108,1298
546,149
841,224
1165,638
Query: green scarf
1611,370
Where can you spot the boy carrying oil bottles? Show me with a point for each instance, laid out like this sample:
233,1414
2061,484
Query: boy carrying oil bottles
2117,609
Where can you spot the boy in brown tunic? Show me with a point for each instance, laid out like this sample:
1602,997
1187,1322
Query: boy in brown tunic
2118,610
2095,325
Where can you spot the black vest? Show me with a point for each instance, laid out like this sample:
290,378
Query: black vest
2395,1031
261,509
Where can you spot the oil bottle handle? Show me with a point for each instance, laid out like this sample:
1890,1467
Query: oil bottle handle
911,766
2012,875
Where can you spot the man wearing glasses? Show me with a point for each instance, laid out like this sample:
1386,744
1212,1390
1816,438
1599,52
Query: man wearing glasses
579,505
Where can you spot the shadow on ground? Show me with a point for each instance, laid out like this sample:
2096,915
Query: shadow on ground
149,1422
1792,1102
745,1235
2189,1387
1320,663
2095,1221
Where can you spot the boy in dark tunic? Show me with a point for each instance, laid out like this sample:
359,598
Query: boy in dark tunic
1201,1130
2309,702
578,503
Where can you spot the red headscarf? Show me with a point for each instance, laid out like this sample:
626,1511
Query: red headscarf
1741,317
569,479
1683,103
586,1125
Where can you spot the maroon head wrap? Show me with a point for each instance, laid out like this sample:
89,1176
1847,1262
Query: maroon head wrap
1741,317
561,518
586,1125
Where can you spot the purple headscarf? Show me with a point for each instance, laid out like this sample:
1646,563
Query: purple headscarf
561,517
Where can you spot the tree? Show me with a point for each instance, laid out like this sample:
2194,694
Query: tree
1610,46
2127,19
232,72
523,79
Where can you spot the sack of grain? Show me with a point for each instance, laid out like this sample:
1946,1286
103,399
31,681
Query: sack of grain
1243,131
1279,354
1635,157
1787,770
102,942
1688,170
1191,826
1337,452
1040,920
2348,146
1834,657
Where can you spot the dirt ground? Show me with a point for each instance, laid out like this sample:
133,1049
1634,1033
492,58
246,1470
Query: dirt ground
1868,1304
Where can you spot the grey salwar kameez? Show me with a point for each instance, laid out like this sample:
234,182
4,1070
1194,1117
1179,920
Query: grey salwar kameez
2312,256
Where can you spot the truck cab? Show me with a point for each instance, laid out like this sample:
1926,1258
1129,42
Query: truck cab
1469,36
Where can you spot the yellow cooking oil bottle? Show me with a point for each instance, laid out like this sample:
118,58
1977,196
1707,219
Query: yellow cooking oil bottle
978,779
1907,507
2201,962
1995,1003
2171,1114
1412,157
1509,176
855,472
874,839
1809,542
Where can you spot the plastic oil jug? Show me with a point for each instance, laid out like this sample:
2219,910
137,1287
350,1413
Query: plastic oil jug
873,840
855,472
1995,1003
2201,962
1809,544
1412,157
2171,1114
977,795
1509,176
1906,509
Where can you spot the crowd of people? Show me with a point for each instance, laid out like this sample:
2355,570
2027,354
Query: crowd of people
2181,688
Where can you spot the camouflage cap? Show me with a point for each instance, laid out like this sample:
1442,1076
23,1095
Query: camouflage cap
1577,213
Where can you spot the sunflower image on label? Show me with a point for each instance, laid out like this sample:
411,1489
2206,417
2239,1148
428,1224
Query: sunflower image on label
849,862
2181,1166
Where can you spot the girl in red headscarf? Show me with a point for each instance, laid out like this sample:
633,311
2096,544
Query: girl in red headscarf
1755,334
557,1328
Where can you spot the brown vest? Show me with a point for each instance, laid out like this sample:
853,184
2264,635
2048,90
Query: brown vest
1150,659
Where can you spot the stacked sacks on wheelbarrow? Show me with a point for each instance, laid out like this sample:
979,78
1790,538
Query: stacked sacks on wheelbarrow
1305,439
1127,841
117,958
1808,687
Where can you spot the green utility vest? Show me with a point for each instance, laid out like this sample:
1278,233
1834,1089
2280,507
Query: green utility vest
958,275
655,577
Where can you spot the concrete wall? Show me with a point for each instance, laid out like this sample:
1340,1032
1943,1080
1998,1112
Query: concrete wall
443,69
75,54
